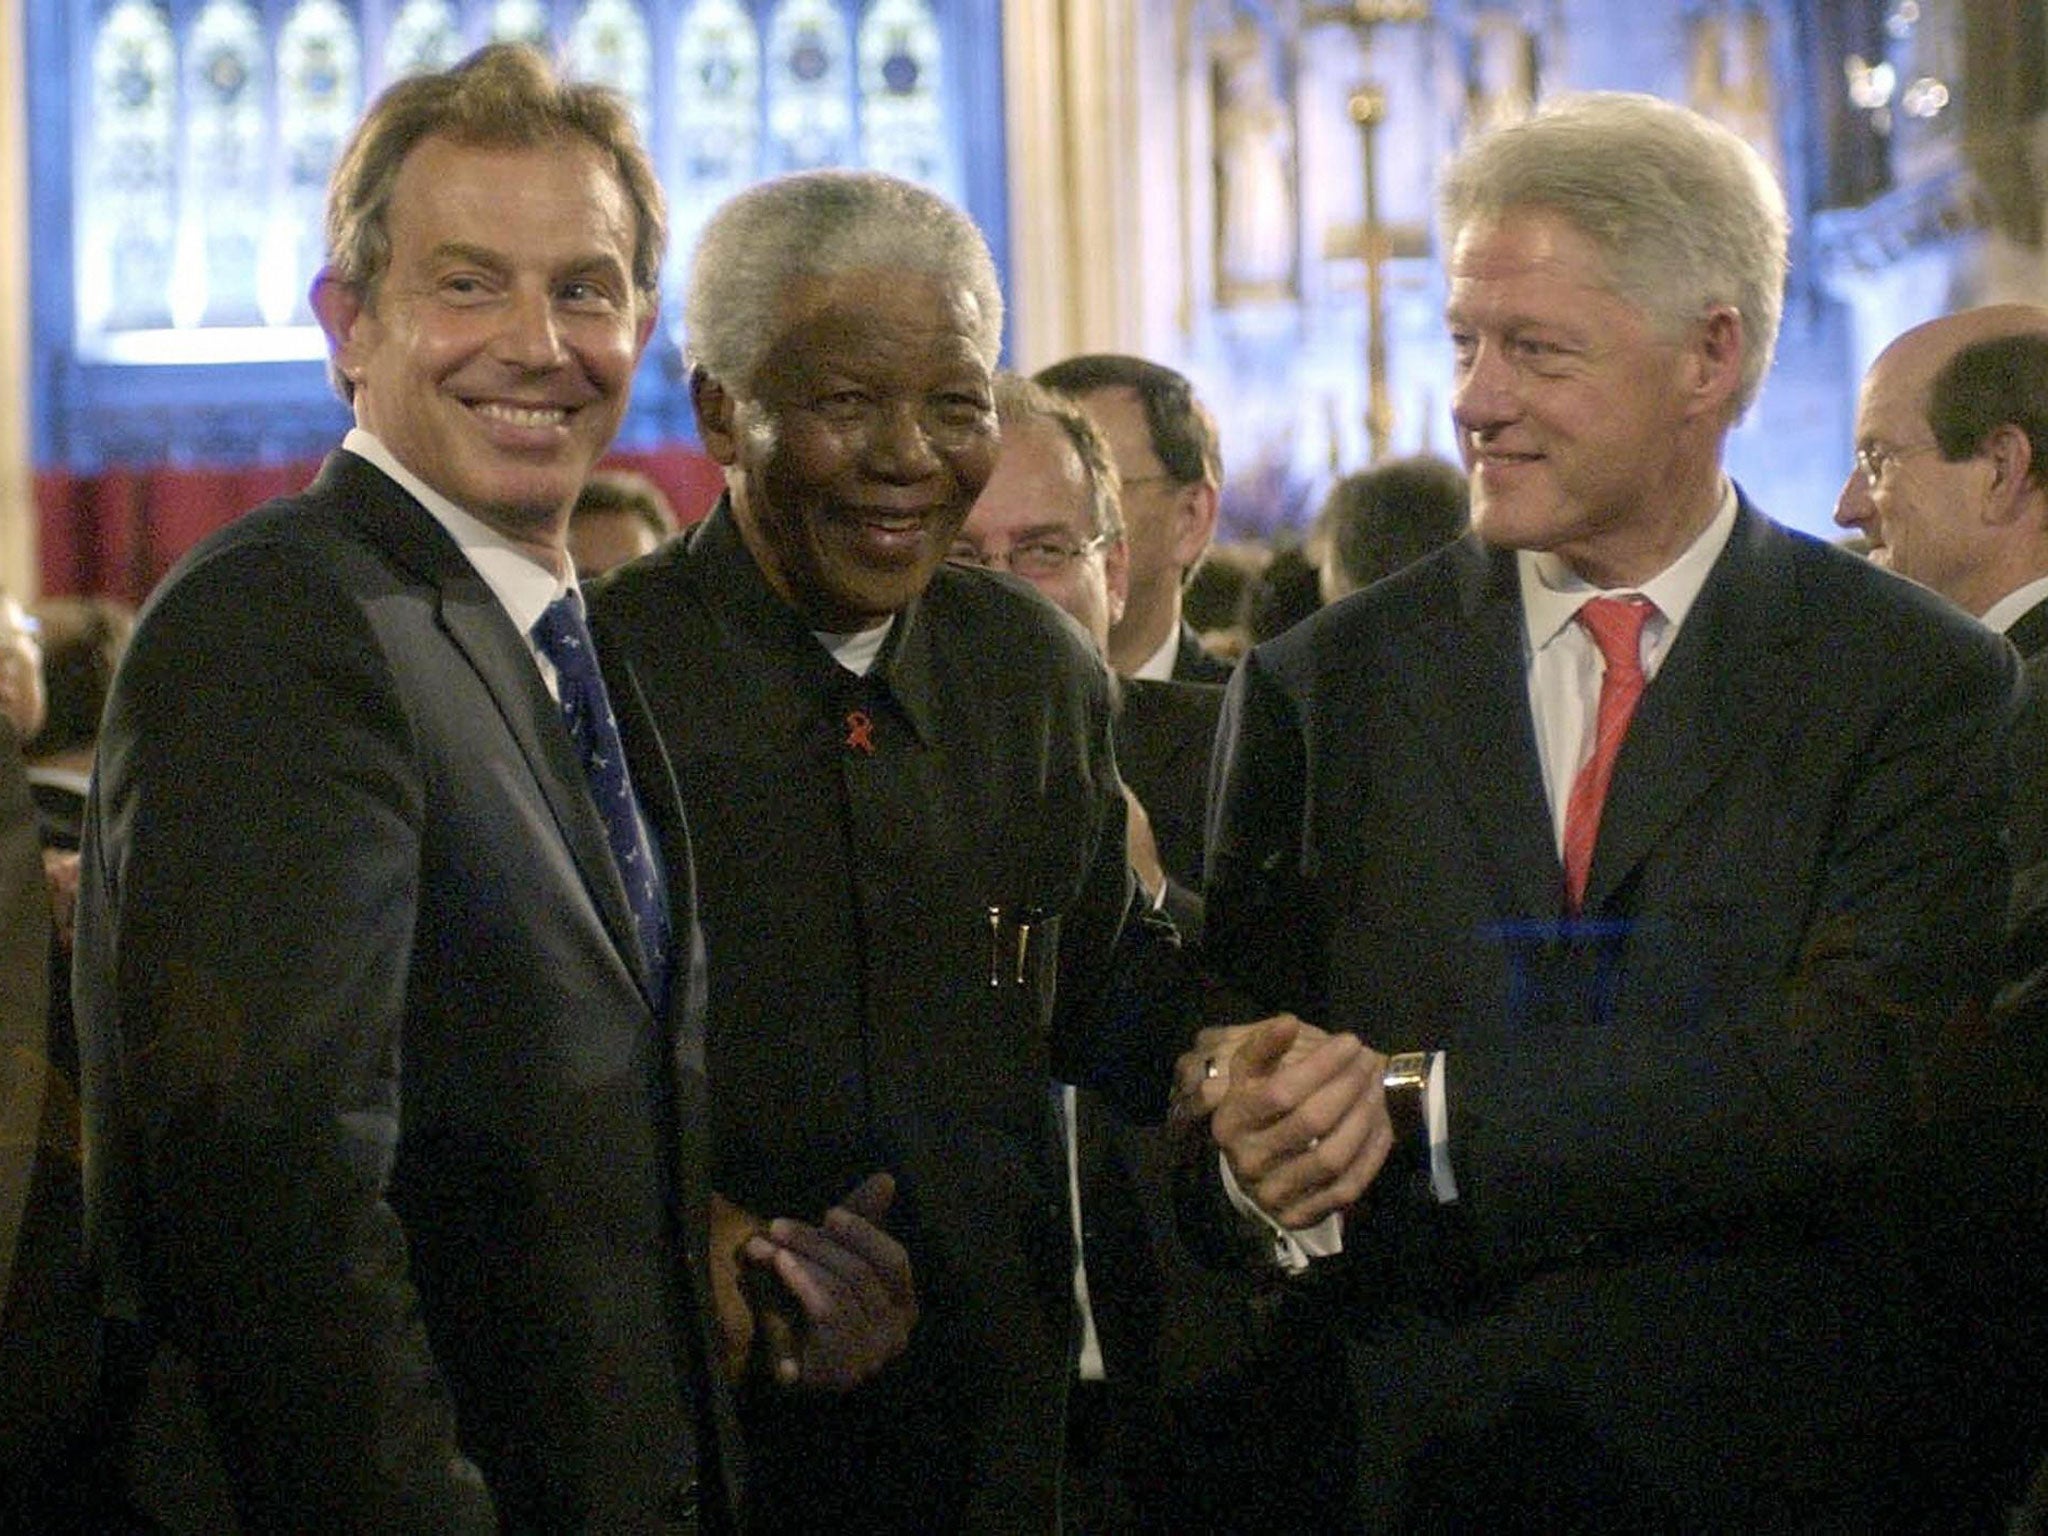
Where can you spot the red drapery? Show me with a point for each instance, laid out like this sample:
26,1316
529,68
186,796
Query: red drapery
114,534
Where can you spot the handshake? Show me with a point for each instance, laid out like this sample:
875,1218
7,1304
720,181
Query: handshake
1300,1115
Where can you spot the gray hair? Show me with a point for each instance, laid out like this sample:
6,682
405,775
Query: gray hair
820,224
1020,400
1688,215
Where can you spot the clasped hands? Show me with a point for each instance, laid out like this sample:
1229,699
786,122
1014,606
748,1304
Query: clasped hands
822,1305
1301,1115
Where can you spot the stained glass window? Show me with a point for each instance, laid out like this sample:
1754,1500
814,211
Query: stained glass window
185,146
810,108
129,226
423,36
609,44
519,21
319,80
227,165
717,126
902,119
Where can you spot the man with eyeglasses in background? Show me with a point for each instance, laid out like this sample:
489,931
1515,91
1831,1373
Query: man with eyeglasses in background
1960,513
1052,515
1951,489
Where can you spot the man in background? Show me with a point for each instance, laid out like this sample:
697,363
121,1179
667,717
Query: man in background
620,516
1376,521
1171,471
1947,489
1951,489
45,1299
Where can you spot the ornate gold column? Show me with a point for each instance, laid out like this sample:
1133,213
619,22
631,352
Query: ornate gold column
17,503
1072,122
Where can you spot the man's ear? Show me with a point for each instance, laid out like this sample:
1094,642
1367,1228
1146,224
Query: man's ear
1716,359
338,306
2010,454
716,413
1116,571
1194,521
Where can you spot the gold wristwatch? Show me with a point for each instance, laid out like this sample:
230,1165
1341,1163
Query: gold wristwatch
1406,1082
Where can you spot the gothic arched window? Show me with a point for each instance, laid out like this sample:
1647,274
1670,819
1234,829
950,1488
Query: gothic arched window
129,229
716,132
609,44
810,105
424,35
902,116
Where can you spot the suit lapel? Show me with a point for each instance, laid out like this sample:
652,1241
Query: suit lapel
1469,693
1718,682
658,788
477,624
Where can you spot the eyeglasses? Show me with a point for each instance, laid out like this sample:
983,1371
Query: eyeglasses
1164,477
1034,559
1877,459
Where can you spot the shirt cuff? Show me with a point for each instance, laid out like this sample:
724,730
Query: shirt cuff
1293,1248
1436,1119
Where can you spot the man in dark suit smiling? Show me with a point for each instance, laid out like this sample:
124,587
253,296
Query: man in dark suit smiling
1639,902
393,1049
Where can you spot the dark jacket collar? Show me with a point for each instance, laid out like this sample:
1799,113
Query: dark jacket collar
738,591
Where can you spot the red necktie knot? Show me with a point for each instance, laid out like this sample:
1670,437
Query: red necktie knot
1616,625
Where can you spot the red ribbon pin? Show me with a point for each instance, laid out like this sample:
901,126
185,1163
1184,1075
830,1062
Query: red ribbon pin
860,731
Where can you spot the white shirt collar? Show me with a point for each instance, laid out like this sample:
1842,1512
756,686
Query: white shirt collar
521,583
1158,666
858,650
1552,593
2006,612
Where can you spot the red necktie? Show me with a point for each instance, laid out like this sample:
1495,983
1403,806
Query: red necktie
1616,625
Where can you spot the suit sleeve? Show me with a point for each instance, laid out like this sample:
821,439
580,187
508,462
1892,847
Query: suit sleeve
1126,997
251,891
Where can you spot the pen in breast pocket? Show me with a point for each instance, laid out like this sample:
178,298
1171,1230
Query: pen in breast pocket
1014,945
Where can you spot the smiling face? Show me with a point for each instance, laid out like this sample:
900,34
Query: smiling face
856,450
495,353
1585,432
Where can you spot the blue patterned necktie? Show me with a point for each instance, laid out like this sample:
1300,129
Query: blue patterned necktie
564,639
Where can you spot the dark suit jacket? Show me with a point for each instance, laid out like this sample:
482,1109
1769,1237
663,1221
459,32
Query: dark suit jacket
2001,1279
1163,735
1673,1293
388,1148
1192,664
852,838
2029,816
